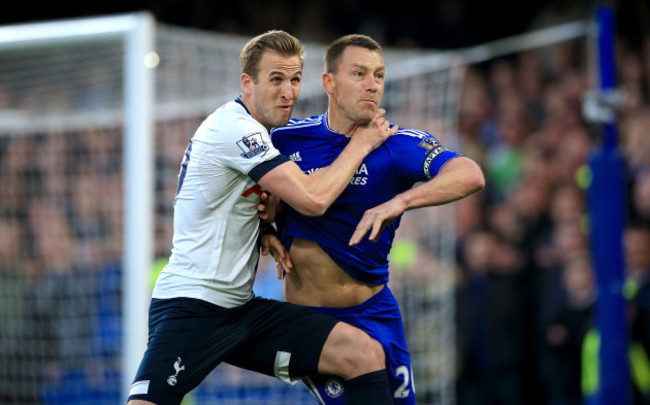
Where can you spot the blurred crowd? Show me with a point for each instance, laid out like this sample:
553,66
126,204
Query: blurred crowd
60,265
525,288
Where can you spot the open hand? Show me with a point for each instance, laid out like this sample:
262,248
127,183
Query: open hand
375,132
376,219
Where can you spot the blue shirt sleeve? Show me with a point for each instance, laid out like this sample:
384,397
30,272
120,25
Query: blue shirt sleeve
418,155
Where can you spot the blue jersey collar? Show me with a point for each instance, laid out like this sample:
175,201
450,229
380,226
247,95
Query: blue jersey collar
326,121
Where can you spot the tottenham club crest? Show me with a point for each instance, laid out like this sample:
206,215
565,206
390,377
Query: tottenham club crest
172,380
333,388
252,145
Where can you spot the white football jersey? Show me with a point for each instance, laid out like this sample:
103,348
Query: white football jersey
214,255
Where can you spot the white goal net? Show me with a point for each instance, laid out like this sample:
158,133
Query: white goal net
62,231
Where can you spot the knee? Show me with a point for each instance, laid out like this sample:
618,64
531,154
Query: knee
366,355
350,352
374,358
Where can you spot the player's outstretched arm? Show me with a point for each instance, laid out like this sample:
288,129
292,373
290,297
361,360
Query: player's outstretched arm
457,179
312,194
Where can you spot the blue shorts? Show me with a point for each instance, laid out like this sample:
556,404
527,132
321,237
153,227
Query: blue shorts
380,318
188,338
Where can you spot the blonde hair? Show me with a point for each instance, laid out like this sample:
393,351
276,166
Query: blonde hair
277,41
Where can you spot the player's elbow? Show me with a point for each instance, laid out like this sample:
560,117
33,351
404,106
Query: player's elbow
473,177
477,180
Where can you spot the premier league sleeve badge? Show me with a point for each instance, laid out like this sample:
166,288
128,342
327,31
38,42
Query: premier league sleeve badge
252,145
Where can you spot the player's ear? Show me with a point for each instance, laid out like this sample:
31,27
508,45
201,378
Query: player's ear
328,83
246,84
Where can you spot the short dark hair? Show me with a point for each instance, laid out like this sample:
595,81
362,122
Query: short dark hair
277,41
336,49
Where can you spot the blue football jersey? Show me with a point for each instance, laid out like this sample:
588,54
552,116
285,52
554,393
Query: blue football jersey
404,159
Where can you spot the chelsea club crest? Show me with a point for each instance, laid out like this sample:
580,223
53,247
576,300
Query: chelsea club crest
333,388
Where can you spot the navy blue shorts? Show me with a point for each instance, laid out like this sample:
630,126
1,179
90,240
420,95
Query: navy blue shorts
188,338
380,318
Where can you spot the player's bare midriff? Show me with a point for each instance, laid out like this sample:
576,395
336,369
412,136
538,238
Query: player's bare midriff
317,281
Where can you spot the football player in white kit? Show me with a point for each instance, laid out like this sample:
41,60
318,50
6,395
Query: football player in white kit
203,310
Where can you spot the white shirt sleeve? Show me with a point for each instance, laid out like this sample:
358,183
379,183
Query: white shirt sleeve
237,141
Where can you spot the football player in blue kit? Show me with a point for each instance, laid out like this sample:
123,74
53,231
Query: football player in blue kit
335,269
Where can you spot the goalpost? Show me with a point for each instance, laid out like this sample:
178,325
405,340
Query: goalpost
81,131
135,35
